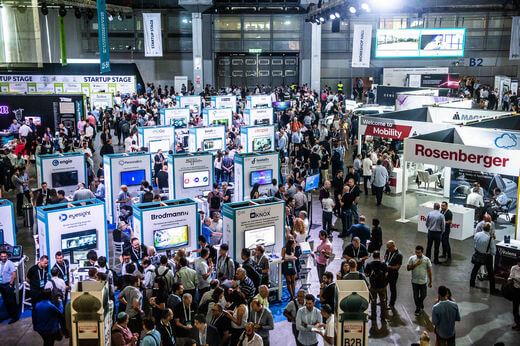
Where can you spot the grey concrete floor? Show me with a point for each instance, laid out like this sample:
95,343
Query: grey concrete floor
486,319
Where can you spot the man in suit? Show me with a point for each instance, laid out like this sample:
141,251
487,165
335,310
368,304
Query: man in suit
203,333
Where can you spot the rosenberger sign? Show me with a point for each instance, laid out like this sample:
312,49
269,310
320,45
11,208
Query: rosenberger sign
461,156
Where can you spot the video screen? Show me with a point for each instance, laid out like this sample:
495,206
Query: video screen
37,120
78,256
83,240
262,177
133,178
163,144
264,236
262,144
61,179
224,122
281,106
170,238
1,236
212,144
195,179
264,121
178,122
442,42
312,182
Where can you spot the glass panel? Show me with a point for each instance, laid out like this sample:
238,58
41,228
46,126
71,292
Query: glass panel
277,61
237,62
224,62
499,33
180,44
228,35
250,73
227,23
474,43
250,61
223,45
286,23
290,73
257,23
117,25
286,45
237,73
263,61
179,24
264,45
496,22
448,21
475,33
258,35
395,22
277,73
263,73
290,61
139,23
293,35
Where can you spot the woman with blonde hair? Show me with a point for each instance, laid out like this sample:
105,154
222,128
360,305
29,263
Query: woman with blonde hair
300,236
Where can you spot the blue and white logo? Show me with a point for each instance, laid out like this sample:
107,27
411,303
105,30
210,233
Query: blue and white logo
63,217
55,162
506,141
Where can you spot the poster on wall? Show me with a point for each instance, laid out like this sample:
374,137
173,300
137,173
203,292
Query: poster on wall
191,102
102,100
211,138
396,76
179,81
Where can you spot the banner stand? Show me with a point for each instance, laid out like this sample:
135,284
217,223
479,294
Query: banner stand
7,222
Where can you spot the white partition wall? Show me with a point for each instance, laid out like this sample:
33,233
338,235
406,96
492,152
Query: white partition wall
258,116
224,101
210,138
258,101
178,117
62,171
217,116
190,174
257,138
156,137
255,168
7,222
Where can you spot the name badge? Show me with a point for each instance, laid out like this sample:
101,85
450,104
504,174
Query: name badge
188,324
173,340
65,277
387,263
1,278
42,283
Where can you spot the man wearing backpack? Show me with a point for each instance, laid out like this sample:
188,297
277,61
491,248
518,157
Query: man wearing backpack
250,268
152,336
377,272
165,272
57,287
214,200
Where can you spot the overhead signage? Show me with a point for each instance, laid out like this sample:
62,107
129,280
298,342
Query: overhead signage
361,45
152,34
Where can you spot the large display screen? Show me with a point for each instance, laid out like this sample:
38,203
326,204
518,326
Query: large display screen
132,178
224,122
83,240
61,179
170,238
399,43
196,179
264,121
312,182
212,144
281,106
264,236
262,177
163,144
262,144
178,122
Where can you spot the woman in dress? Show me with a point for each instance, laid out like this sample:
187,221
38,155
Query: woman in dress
289,266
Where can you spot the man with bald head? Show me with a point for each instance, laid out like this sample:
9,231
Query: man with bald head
394,260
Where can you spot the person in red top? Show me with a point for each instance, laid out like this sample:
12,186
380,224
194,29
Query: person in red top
322,254
121,334
295,125
20,148
91,119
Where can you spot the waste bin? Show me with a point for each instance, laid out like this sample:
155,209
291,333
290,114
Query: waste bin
28,215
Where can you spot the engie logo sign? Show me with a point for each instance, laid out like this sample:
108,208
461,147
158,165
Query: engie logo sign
64,217
61,162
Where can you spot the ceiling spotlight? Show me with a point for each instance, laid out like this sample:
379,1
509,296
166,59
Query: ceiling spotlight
352,9
110,16
365,7
332,16
62,11
45,9
120,17
77,13
337,14
185,21
90,14
322,19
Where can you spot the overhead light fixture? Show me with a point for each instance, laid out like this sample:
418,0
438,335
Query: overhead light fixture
322,19
45,9
185,21
332,16
352,9
337,14
110,16
120,17
77,13
62,11
365,7
90,14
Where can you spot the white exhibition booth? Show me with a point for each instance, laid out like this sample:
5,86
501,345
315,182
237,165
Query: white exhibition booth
217,116
209,138
73,228
461,225
224,101
128,169
258,116
178,117
102,100
167,225
254,168
156,137
468,148
62,171
191,102
191,175
410,100
258,101
257,139
7,223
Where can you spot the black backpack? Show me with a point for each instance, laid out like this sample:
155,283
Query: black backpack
163,275
214,202
378,277
56,294
253,274
147,197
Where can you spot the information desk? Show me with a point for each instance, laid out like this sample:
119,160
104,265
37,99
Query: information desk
461,226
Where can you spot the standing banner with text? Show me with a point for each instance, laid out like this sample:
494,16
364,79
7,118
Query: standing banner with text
152,34
514,47
104,54
361,45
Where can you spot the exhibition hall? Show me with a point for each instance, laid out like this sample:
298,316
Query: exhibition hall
259,172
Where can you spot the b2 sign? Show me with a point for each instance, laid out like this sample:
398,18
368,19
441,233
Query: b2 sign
401,43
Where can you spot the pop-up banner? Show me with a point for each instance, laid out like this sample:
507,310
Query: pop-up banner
156,137
7,222
397,128
217,116
128,169
210,138
460,115
258,101
224,101
192,174
254,168
72,228
257,138
178,117
167,225
258,116
62,171
191,102
246,224
102,100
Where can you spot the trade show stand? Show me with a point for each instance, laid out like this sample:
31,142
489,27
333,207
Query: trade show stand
258,116
506,257
224,101
73,228
128,169
7,223
191,102
167,225
191,175
62,171
178,117
258,101
217,116
209,138
462,226
257,138
254,168
156,137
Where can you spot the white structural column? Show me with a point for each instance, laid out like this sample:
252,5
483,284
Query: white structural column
196,33
315,57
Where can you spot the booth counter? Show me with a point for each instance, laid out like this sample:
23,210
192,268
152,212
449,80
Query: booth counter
191,175
254,168
73,228
156,137
167,225
62,171
462,226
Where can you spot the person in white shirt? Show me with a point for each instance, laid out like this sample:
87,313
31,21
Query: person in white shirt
24,130
328,329
216,223
366,166
249,337
203,267
59,283
475,198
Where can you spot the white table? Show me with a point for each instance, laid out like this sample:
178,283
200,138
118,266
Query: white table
461,226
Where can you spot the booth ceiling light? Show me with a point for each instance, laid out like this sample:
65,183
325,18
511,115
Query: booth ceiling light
322,19
332,16
77,13
352,9
45,9
365,7
62,11
337,14
110,16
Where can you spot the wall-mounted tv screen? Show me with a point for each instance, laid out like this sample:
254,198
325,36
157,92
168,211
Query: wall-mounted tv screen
264,236
78,256
178,122
264,121
61,179
163,144
224,122
170,237
262,177
312,182
262,144
195,179
82,240
133,178
281,106
212,144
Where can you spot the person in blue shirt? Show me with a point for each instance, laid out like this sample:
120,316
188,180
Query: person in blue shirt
100,189
206,231
7,282
152,336
484,244
47,317
14,128
360,230
444,315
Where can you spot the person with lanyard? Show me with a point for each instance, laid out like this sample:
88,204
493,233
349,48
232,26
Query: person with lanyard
393,260
121,334
159,161
306,319
262,264
262,318
137,252
221,322
249,337
37,278
7,283
357,252
165,328
63,269
152,336
445,239
207,334
184,313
